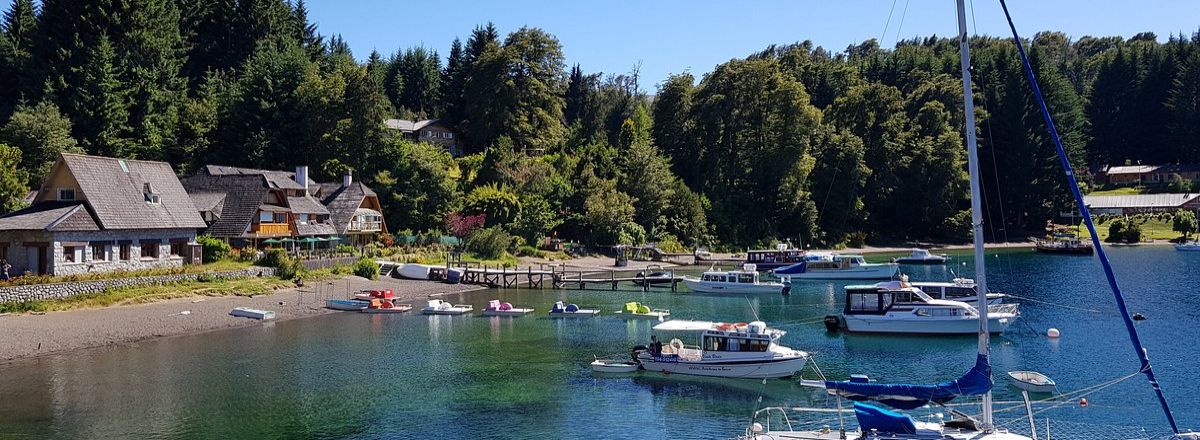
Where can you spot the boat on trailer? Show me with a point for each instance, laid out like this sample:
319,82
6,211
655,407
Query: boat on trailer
732,350
497,308
745,281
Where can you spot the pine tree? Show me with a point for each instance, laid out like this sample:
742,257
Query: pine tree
306,33
1184,106
672,129
20,34
101,108
417,77
452,82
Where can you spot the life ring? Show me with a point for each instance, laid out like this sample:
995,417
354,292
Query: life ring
725,326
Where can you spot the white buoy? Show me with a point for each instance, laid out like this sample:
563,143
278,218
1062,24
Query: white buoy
1052,333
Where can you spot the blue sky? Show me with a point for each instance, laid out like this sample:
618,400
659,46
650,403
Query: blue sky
674,36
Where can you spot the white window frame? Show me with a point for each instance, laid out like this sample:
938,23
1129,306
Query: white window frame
63,190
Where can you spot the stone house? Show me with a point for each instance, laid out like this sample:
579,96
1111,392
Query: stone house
246,206
99,214
432,131
354,210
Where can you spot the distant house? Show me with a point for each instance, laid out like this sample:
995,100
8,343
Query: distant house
99,214
1147,174
433,131
1142,203
354,210
246,206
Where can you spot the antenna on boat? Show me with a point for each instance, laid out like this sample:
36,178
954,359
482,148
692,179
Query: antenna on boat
753,309
976,197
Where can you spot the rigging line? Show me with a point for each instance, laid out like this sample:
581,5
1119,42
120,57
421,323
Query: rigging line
887,23
1073,185
901,26
1023,298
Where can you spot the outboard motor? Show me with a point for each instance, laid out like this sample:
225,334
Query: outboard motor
787,288
833,323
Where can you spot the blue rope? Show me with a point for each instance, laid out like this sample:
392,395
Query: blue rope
1087,218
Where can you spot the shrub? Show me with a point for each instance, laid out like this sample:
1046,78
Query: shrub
1184,222
214,249
366,268
497,203
285,267
488,243
1124,230
344,249
529,251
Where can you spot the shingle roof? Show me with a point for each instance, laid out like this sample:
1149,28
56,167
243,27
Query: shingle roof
1139,201
1142,169
50,216
343,201
208,201
243,195
315,229
114,190
277,179
306,205
1130,169
399,124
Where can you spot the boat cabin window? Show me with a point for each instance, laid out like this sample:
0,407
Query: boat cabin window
720,343
937,311
959,292
746,278
869,302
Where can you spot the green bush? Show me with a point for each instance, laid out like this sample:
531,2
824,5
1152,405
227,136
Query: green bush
488,243
529,251
344,249
366,268
285,267
22,307
1124,230
214,249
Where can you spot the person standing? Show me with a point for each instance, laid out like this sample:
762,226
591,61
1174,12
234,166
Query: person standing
4,268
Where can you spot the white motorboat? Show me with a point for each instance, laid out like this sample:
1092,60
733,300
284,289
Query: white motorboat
922,256
1190,246
743,281
614,366
726,350
414,271
898,307
960,289
837,267
561,310
635,310
1032,381
439,307
497,308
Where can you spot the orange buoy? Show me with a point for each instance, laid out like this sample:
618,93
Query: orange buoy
1083,402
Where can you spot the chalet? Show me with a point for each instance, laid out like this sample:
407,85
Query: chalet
354,210
433,131
1130,175
1142,203
247,207
99,214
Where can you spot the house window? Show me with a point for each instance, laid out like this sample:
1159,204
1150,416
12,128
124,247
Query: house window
66,193
150,249
266,217
125,251
99,252
304,219
69,254
449,135
177,249
152,199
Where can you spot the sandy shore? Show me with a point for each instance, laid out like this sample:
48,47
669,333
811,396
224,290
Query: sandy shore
27,335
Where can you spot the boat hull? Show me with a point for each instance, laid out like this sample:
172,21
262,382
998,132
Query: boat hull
348,305
509,312
414,271
581,313
1065,250
383,311
765,369
1188,247
451,311
735,288
997,323
928,261
614,367
873,272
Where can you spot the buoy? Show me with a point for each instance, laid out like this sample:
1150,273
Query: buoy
1083,401
1139,317
1052,333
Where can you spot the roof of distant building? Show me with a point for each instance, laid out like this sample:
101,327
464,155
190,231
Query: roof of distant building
1139,200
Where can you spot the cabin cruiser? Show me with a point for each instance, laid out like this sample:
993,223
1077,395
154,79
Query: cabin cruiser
734,350
923,256
767,259
899,307
837,267
960,289
734,281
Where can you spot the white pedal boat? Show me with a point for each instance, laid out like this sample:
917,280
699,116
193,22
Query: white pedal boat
439,307
497,308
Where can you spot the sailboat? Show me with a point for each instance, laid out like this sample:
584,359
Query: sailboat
877,423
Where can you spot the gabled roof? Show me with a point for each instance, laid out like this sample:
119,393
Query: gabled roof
114,189
243,195
208,201
306,205
1130,169
1142,169
277,179
343,201
50,216
1139,201
408,126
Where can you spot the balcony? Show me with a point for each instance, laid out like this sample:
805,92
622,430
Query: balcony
271,229
366,226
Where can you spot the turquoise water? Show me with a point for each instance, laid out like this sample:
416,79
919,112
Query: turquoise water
410,376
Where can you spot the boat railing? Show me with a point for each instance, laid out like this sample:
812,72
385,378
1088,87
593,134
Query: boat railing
1003,308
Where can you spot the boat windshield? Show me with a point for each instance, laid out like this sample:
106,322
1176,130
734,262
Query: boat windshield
746,278
922,295
722,343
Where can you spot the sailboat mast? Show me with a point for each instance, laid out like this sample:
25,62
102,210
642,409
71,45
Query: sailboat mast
976,199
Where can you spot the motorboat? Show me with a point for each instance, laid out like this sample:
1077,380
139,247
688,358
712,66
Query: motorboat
367,295
414,271
561,310
732,350
743,281
614,366
959,289
439,307
899,307
837,267
923,256
497,308
767,259
633,310
1190,246
383,306
1060,240
350,305
653,278
1032,381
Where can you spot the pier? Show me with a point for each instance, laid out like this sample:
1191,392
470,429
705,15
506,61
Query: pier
554,276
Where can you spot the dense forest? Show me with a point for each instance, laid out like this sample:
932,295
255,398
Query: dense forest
795,142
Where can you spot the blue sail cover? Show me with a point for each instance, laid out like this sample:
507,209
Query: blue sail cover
873,417
907,396
797,268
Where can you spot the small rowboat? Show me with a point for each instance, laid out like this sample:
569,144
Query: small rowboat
246,312
613,366
1032,381
351,305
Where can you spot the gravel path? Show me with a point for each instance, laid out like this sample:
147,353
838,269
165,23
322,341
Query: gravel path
29,335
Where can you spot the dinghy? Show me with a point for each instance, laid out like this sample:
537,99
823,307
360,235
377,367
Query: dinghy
497,308
571,311
439,307
1032,381
385,306
350,305
246,312
635,310
414,271
613,366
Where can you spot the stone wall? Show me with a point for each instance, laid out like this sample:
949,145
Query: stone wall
37,292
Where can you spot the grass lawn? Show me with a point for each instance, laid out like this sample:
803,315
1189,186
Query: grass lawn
1151,230
1124,191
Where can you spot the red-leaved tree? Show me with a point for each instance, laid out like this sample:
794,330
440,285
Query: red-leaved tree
460,225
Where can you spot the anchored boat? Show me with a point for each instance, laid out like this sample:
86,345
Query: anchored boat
922,256
635,310
837,267
899,307
960,289
767,259
743,281
439,307
571,311
497,308
738,350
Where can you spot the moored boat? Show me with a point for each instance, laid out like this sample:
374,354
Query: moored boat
959,289
613,366
561,310
497,308
381,306
898,307
635,310
923,256
745,281
837,267
1191,246
350,305
1032,381
1060,240
767,259
439,307
729,350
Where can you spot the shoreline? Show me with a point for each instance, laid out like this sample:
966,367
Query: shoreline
29,336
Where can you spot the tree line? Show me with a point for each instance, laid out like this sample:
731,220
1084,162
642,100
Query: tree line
793,143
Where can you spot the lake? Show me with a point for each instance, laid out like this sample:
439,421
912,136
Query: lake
361,376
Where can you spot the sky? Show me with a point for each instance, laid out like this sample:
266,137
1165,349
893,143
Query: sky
668,36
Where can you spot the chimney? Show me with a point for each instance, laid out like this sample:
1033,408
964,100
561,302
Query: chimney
347,179
302,177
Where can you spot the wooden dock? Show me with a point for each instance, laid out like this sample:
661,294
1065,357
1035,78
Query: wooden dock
557,277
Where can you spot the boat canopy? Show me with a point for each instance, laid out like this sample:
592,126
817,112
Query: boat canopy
883,420
976,382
